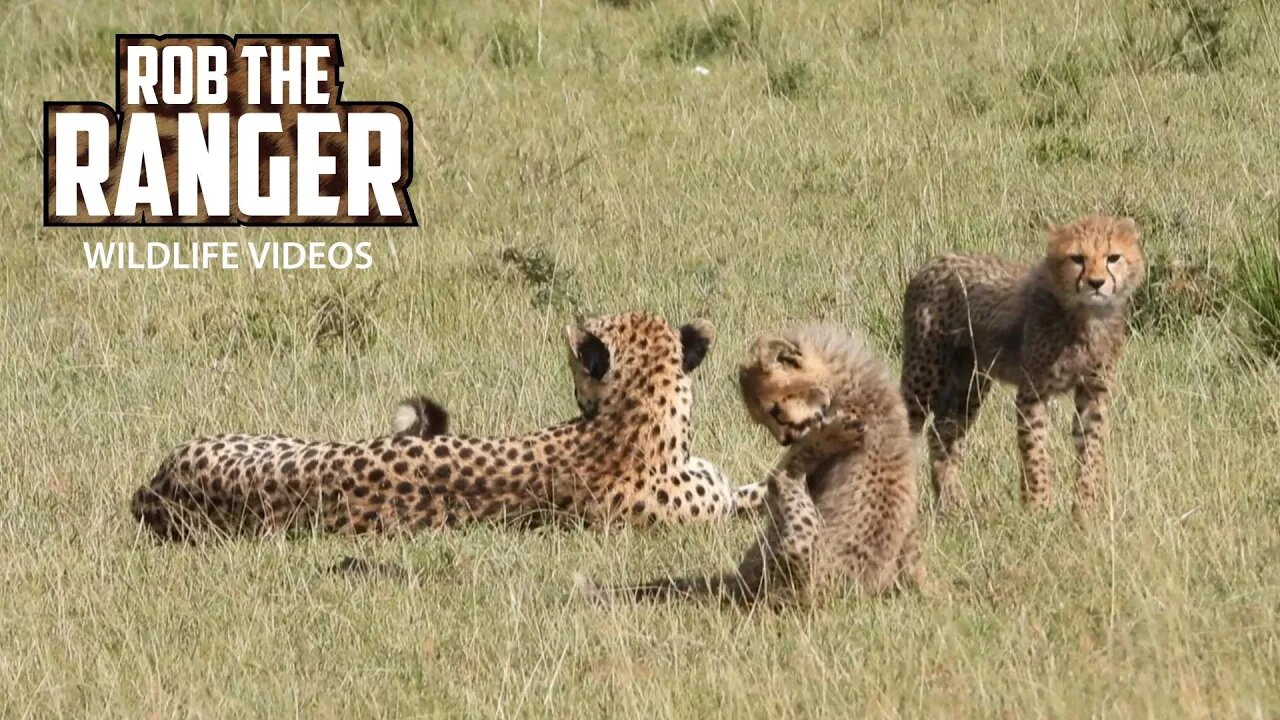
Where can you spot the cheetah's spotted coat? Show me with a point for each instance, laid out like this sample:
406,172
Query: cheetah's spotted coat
626,462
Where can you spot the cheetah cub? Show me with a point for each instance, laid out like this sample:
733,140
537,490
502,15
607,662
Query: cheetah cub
841,501
1056,326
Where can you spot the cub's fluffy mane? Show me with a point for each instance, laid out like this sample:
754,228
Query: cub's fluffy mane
847,352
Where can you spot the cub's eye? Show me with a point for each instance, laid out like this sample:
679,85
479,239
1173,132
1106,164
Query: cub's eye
1113,258
1077,259
790,361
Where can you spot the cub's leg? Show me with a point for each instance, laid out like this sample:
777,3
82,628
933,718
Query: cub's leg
1033,440
921,376
910,569
1087,433
955,407
796,523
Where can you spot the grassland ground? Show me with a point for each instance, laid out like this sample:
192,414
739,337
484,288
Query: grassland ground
569,160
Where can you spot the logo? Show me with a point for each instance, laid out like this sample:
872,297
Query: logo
213,130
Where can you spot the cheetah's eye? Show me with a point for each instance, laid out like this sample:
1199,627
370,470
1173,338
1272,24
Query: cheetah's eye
1077,259
1112,259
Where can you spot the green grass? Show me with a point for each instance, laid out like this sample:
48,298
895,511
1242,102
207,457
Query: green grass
569,160
1258,283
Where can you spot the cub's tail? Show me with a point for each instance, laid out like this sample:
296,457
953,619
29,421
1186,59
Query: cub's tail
727,588
420,417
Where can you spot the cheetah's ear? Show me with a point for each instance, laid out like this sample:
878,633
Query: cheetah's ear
773,350
588,350
696,338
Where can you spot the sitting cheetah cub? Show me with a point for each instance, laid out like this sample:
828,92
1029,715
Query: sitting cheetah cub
1056,326
841,501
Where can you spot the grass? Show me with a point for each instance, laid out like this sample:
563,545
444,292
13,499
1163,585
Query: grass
695,196
791,79
703,38
1257,281
510,46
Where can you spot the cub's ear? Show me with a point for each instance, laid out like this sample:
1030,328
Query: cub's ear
773,350
1127,228
1058,237
696,338
588,350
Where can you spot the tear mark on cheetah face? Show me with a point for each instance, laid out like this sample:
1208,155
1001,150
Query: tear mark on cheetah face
1095,263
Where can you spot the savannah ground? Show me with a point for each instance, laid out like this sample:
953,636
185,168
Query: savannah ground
569,160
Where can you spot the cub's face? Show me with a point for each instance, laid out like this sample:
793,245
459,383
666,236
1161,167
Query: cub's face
1095,262
785,389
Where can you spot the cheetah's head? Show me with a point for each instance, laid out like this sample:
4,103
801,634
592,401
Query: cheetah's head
615,357
1096,262
786,389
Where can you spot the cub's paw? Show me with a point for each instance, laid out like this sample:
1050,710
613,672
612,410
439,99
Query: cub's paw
841,425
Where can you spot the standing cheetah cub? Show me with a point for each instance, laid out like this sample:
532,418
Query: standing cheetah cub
1056,326
841,501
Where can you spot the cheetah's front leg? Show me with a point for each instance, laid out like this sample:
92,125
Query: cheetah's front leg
1033,440
748,499
1087,434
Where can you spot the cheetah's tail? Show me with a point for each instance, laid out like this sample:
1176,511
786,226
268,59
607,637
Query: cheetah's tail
421,417
724,587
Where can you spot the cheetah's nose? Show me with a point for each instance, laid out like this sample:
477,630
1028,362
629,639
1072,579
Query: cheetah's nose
1097,284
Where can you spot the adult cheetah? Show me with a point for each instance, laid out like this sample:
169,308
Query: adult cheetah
1056,326
422,416
627,462
590,390
842,500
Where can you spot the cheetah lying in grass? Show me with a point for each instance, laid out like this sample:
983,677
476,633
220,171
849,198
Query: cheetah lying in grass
1047,329
842,500
625,462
